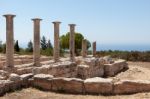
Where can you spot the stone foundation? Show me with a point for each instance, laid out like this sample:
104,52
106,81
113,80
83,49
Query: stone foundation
84,76
94,85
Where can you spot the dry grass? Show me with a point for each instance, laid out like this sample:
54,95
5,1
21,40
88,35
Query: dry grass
31,93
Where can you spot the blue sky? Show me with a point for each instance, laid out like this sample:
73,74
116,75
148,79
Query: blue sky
105,21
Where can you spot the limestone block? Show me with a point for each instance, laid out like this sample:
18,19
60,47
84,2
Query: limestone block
25,79
98,86
131,86
68,85
26,76
5,86
42,81
42,76
116,67
25,70
14,77
83,71
4,74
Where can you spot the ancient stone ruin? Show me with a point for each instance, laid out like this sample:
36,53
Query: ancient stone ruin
86,74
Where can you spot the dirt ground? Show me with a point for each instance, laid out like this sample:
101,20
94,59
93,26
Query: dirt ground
137,70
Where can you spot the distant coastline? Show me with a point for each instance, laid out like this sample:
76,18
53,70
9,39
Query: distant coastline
126,47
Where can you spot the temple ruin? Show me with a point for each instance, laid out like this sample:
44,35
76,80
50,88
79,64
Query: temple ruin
86,74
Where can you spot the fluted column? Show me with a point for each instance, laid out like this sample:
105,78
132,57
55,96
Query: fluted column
36,48
56,51
84,48
9,41
72,42
94,49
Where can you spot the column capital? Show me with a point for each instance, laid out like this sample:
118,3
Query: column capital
9,15
56,22
35,19
72,24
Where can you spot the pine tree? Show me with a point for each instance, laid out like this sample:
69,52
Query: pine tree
43,43
49,45
1,46
30,46
16,46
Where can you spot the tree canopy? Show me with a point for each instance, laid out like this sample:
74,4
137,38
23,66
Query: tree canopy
64,41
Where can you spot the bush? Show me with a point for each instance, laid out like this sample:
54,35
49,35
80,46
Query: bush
127,55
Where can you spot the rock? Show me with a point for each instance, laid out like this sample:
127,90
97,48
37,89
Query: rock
113,69
14,77
4,73
98,86
26,76
42,81
25,79
68,85
131,86
5,86
42,76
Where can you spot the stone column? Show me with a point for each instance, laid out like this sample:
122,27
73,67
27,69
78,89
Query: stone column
94,49
56,51
84,48
36,43
9,41
72,42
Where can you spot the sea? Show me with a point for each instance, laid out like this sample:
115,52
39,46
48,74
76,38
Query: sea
123,47
101,47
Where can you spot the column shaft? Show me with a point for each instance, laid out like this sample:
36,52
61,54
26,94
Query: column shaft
36,48
84,48
9,41
72,42
56,51
94,48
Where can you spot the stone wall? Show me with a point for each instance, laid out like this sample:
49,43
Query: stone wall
96,85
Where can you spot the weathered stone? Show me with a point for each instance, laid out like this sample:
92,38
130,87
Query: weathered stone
5,86
68,85
4,73
72,42
26,76
131,86
42,76
94,49
25,79
116,67
9,41
98,86
36,49
56,41
25,70
43,81
84,48
14,77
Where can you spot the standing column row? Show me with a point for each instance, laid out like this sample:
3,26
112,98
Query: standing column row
36,49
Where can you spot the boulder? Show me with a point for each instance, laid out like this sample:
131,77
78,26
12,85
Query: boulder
131,86
98,85
68,85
